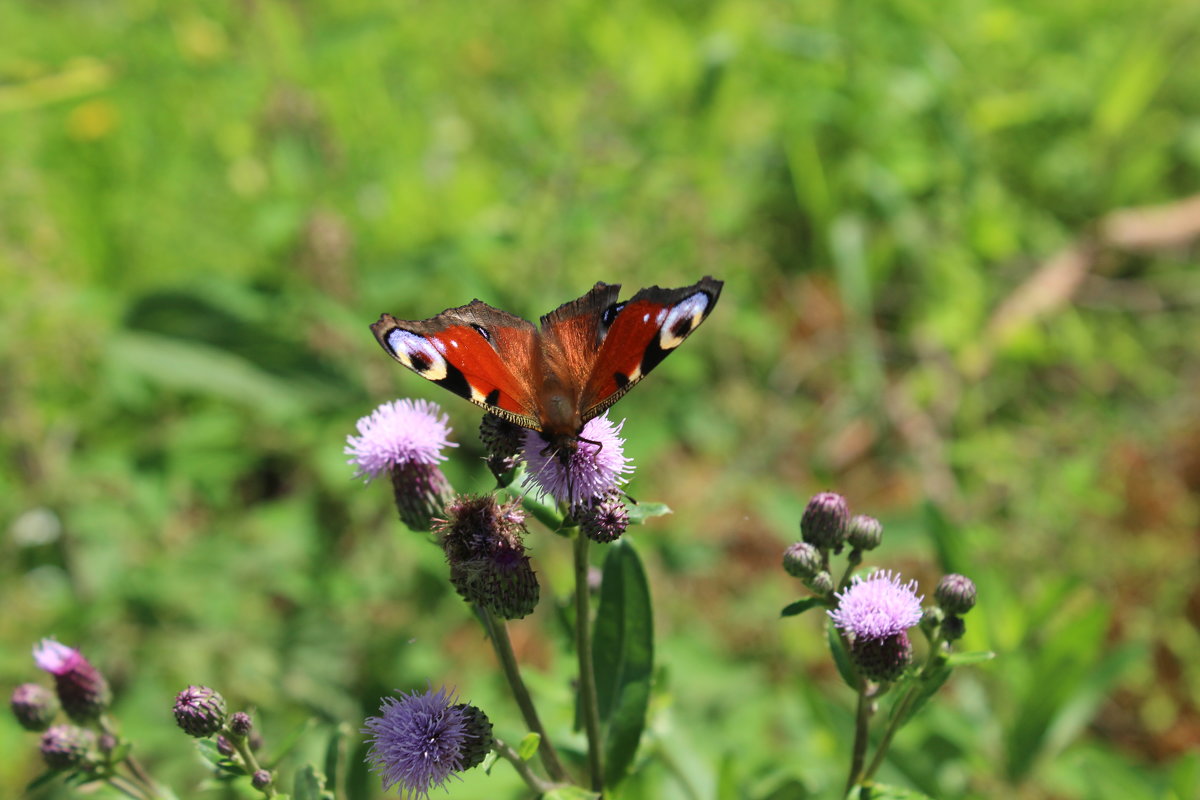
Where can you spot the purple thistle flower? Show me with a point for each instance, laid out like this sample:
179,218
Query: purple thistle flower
878,607
420,741
81,689
591,471
399,433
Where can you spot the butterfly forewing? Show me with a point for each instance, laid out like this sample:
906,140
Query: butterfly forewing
642,332
588,353
476,351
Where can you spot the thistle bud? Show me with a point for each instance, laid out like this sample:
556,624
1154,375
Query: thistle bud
503,441
478,740
81,689
261,779
821,583
955,594
603,520
34,706
240,723
802,561
420,491
824,522
199,711
483,544
66,746
882,659
953,628
864,533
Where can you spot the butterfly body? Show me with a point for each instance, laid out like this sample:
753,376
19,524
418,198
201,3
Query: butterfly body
587,354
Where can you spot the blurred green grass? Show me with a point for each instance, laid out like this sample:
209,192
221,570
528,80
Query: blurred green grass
205,204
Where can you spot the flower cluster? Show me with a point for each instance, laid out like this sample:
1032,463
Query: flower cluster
876,611
420,741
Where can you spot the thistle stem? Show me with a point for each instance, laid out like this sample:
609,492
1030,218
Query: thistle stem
522,767
145,785
587,673
862,718
127,787
242,745
901,709
498,631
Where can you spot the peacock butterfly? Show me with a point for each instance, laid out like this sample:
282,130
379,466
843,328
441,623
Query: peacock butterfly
587,355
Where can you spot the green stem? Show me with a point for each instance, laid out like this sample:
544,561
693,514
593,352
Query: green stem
127,787
522,767
901,709
852,561
242,745
142,782
498,631
587,672
862,718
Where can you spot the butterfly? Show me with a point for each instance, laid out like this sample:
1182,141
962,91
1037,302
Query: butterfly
587,354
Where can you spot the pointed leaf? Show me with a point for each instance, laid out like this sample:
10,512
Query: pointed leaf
841,658
800,606
640,512
623,656
960,659
880,791
335,753
529,746
570,793
309,785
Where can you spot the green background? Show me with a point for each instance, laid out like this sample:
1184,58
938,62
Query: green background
931,305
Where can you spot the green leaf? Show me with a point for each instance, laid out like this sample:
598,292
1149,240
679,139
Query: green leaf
40,781
640,512
800,606
309,784
880,791
960,659
208,750
841,658
181,365
529,746
570,793
335,753
489,761
623,657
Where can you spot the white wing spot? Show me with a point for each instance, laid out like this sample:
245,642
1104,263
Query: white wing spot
429,363
646,317
690,310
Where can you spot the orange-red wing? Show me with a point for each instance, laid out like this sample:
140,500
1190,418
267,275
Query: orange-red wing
640,333
476,351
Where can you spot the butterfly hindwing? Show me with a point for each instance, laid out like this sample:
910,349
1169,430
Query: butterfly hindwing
476,351
638,334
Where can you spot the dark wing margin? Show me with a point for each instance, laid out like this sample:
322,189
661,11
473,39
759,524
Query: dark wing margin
641,333
476,351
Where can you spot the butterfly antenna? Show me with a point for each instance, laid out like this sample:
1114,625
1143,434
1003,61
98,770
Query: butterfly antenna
599,445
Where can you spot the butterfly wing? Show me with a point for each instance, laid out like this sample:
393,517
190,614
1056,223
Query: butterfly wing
476,351
635,336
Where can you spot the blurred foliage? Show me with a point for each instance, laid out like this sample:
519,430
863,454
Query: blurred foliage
205,204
